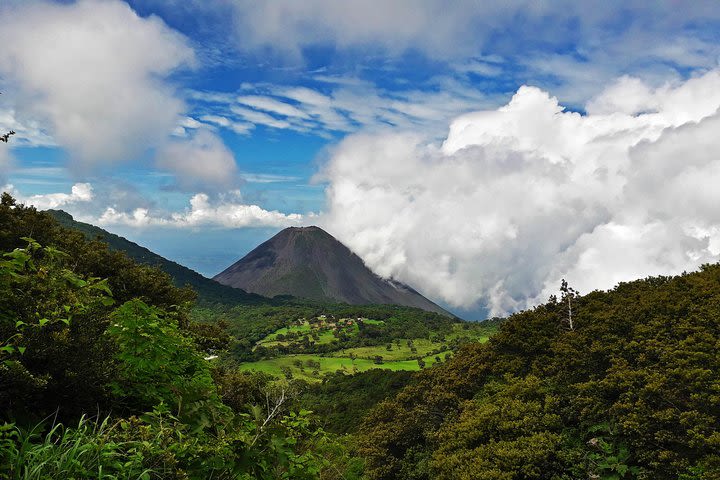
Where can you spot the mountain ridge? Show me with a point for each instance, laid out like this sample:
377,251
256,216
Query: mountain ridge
208,290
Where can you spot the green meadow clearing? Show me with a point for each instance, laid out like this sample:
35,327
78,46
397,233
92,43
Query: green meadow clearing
395,354
399,350
275,366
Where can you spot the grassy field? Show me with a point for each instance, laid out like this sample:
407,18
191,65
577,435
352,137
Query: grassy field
399,350
400,356
275,366
373,322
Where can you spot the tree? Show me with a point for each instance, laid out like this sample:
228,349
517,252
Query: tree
568,294
158,364
51,321
5,137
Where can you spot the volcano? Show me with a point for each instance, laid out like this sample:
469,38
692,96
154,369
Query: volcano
308,262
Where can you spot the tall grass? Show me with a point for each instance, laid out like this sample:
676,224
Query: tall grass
86,451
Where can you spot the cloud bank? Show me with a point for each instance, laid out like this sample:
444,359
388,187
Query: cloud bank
80,192
93,73
519,197
227,212
443,29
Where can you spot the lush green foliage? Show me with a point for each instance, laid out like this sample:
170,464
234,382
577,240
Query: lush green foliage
632,390
158,445
309,348
89,450
159,365
250,324
73,343
341,401
48,311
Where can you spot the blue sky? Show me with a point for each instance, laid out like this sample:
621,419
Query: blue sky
201,128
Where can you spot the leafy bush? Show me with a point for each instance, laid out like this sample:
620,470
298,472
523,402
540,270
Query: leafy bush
157,364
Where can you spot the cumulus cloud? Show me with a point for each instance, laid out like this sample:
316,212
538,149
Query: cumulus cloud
517,198
203,160
94,73
80,192
227,212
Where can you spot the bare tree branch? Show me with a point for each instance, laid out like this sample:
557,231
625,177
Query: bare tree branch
272,413
6,137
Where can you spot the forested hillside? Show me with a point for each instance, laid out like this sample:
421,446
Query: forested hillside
629,389
102,375
209,292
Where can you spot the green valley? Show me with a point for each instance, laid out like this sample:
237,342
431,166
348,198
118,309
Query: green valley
311,347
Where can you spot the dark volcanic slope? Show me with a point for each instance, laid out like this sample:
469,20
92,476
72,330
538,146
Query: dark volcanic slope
308,262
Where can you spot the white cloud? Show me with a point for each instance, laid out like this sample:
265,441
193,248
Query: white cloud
632,33
679,103
241,128
93,73
259,118
349,106
268,178
80,192
575,47
27,132
489,67
228,212
287,26
519,197
188,124
200,161
271,105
